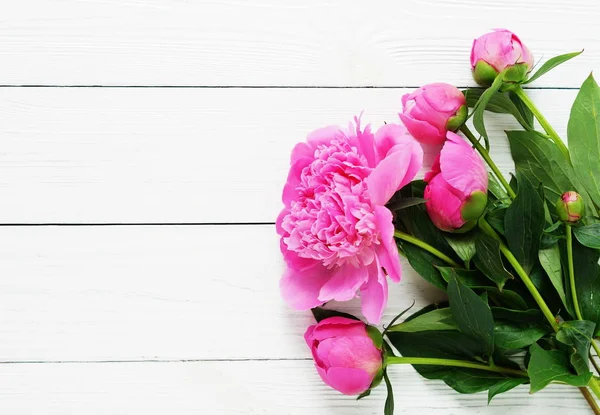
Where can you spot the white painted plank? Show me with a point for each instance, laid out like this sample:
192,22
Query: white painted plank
82,155
297,42
252,388
154,292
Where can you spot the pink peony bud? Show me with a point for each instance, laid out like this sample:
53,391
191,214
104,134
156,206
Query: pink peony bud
456,189
345,355
432,110
570,207
494,52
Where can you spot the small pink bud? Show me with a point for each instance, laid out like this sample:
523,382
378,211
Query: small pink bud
432,110
345,354
456,191
496,51
570,207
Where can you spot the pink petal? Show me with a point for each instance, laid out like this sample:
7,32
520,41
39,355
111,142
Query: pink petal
323,136
290,191
343,283
444,98
388,136
339,326
300,289
373,295
423,131
351,351
443,206
387,252
395,171
363,140
308,335
461,166
302,150
347,380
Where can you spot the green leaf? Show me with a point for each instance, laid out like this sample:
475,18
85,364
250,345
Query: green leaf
463,245
587,281
577,334
542,161
546,366
388,408
523,108
504,386
531,316
481,105
438,319
551,64
496,219
364,394
404,203
475,280
489,260
322,313
583,131
499,103
517,336
550,261
588,235
524,223
472,315
424,263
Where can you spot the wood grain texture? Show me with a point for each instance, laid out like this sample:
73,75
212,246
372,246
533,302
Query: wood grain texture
106,155
269,42
155,292
250,388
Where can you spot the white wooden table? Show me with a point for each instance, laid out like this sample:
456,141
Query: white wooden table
143,147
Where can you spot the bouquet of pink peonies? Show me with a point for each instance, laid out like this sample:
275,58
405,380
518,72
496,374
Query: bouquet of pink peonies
518,258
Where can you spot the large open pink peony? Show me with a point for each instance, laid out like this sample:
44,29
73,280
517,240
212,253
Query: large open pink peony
336,234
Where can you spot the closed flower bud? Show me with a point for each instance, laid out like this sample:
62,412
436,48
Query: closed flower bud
496,51
456,191
345,354
432,110
570,207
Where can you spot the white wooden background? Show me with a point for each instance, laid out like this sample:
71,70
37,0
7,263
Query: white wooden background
143,147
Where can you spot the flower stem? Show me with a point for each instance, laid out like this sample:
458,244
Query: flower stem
590,400
485,155
415,241
572,271
543,121
396,360
485,227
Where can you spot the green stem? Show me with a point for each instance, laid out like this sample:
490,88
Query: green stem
543,121
590,400
572,271
595,387
485,227
396,360
485,155
411,239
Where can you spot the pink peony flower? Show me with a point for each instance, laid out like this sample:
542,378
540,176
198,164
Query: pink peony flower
433,110
345,356
494,52
336,234
456,190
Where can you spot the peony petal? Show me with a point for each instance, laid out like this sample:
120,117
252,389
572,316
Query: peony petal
395,171
302,150
308,335
356,352
423,131
339,326
363,140
343,283
444,98
374,295
387,251
300,289
387,137
347,380
462,168
323,136
443,206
